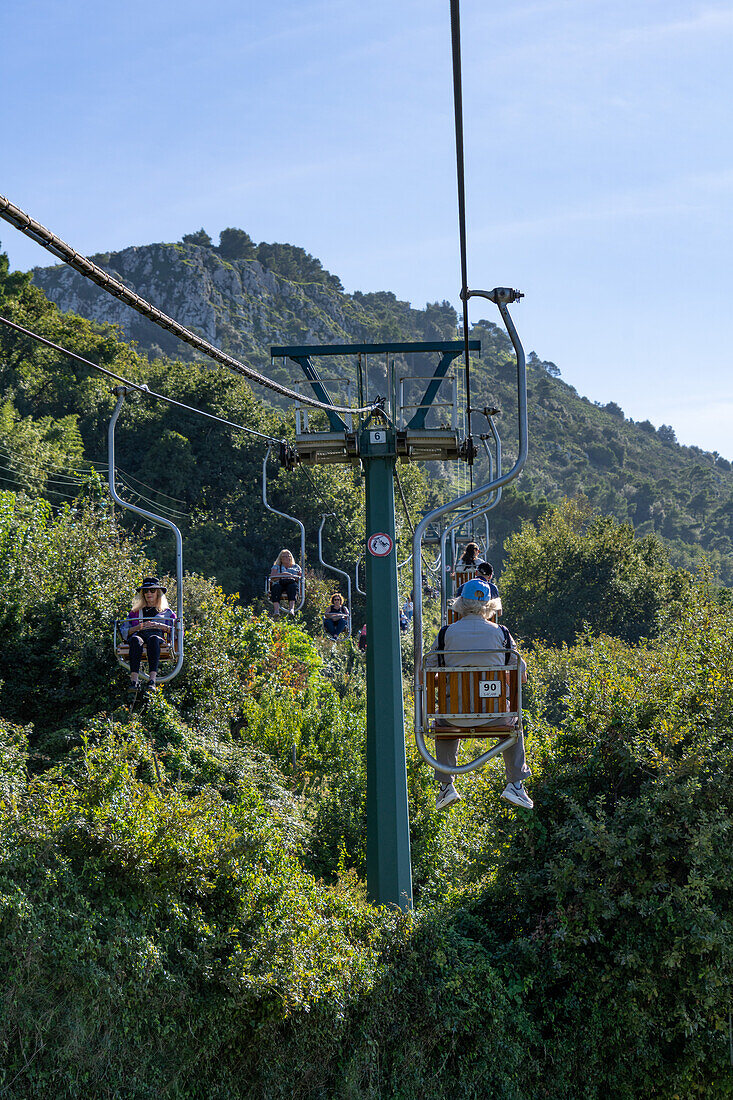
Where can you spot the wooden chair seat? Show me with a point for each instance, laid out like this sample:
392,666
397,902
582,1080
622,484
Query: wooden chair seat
167,652
501,733
460,577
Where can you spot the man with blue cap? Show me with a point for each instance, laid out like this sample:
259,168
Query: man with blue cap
473,639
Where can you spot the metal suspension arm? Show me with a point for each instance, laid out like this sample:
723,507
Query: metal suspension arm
292,519
121,392
501,296
334,569
482,509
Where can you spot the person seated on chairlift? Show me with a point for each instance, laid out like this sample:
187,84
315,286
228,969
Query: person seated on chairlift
148,626
485,574
469,559
474,640
336,619
284,578
427,589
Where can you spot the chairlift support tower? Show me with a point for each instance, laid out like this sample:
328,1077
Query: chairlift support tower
391,432
394,430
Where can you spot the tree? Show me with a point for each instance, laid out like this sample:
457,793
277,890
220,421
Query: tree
296,264
666,433
200,237
441,320
578,567
235,244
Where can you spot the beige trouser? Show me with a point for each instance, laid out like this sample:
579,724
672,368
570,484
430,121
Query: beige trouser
515,761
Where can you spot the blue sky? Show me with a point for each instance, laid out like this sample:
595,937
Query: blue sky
598,154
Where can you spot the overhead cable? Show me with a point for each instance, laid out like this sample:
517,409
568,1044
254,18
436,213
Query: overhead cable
79,475
53,244
144,484
404,502
169,512
455,28
135,385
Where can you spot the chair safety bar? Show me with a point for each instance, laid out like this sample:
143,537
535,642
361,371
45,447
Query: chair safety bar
120,393
501,297
284,515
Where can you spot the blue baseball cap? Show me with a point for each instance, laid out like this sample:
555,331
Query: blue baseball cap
476,590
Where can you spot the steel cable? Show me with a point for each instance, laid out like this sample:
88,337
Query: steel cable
455,27
48,240
135,385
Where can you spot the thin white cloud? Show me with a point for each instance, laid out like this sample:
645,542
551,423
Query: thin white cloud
710,20
679,195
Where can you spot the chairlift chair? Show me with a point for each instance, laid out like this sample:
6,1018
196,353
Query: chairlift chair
171,652
480,510
459,701
334,569
462,698
293,519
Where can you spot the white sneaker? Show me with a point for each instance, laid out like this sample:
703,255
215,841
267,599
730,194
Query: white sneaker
446,796
516,794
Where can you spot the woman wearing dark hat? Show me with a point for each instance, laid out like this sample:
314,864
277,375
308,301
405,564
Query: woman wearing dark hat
149,625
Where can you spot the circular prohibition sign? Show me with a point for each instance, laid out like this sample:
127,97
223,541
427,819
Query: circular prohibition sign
380,545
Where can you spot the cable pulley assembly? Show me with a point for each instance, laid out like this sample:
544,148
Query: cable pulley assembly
287,455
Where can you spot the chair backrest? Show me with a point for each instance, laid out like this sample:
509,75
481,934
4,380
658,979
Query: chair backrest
472,693
461,578
463,575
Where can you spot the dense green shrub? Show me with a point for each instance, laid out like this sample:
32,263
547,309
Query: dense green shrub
63,579
163,934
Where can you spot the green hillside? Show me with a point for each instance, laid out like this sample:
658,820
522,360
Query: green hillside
246,297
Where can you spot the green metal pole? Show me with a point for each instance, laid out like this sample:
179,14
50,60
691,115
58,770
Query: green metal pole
389,875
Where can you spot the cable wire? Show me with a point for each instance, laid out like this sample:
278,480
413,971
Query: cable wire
48,240
164,511
319,494
78,475
134,385
455,27
404,501
143,484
